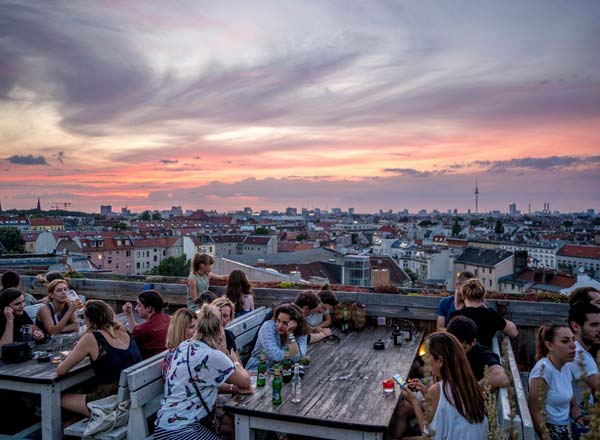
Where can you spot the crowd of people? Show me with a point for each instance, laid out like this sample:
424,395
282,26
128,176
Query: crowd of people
201,362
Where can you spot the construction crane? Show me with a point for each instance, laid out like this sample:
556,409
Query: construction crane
57,205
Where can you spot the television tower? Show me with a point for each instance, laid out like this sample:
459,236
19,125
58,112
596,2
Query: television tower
476,197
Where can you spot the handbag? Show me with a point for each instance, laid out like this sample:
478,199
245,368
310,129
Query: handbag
106,414
210,421
16,352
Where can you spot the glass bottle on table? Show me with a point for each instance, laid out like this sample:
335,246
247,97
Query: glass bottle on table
261,377
345,320
407,331
287,367
277,386
296,385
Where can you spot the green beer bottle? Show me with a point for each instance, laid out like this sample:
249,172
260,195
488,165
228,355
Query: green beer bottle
277,385
287,367
262,370
345,321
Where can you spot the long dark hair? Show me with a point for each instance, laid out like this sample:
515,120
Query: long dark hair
296,314
466,392
238,286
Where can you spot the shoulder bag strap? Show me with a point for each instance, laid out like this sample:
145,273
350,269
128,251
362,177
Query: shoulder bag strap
194,383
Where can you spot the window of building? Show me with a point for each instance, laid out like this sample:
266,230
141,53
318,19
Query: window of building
109,260
147,254
155,258
137,265
117,266
128,253
490,283
164,252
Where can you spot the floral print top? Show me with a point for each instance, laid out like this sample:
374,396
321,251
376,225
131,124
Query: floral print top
210,368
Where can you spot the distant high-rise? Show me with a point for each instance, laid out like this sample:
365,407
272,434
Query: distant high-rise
476,197
106,210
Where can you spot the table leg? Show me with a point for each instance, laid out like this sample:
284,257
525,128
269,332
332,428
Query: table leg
51,412
242,428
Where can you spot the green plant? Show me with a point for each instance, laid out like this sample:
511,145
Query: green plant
285,285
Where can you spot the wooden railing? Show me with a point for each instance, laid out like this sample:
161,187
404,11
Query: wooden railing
528,316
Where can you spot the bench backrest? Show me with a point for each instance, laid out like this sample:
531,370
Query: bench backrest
246,327
146,388
32,310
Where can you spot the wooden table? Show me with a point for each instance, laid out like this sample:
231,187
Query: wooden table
40,378
342,395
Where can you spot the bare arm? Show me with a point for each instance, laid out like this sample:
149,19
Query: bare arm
496,378
128,310
511,329
192,288
80,351
212,276
66,324
7,336
441,323
537,394
326,319
433,394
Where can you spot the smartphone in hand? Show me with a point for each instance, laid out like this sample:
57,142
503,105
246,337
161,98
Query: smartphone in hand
400,380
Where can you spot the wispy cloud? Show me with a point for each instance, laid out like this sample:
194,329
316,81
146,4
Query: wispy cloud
168,161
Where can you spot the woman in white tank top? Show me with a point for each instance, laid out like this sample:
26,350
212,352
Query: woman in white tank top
456,400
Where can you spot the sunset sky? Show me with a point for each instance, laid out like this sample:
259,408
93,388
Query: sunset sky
365,104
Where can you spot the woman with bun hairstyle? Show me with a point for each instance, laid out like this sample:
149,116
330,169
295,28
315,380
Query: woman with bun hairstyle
488,320
192,382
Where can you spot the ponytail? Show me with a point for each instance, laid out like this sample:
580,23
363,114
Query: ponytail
546,333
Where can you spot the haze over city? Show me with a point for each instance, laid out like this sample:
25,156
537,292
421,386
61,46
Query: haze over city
311,104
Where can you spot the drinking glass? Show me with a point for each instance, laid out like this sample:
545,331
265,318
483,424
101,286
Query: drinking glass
388,385
27,333
81,327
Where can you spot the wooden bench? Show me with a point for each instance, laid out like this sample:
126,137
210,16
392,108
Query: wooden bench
146,389
246,327
142,385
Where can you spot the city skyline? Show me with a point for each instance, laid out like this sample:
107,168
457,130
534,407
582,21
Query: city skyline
337,104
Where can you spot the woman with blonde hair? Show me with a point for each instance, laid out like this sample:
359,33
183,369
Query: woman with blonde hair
197,371
182,327
57,314
488,320
239,292
456,401
110,348
200,276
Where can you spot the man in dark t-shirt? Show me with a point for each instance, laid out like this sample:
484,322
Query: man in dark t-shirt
479,356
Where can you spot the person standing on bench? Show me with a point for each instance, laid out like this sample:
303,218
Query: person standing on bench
196,372
151,335
200,277
110,349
